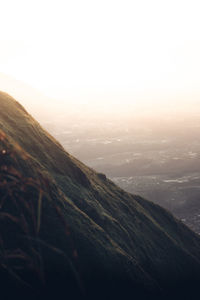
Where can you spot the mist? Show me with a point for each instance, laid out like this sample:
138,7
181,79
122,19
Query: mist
117,83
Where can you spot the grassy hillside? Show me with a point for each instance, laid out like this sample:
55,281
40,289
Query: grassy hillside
67,230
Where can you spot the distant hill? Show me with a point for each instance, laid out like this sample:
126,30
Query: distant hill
69,232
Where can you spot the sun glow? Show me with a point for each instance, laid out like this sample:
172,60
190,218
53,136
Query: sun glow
84,49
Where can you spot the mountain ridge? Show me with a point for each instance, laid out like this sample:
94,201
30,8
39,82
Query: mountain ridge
121,244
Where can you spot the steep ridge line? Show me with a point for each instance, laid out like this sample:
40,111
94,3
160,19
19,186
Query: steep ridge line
102,241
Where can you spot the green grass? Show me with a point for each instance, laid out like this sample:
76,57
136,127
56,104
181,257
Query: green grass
57,216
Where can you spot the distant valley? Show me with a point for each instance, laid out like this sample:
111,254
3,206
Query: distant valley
158,160
68,231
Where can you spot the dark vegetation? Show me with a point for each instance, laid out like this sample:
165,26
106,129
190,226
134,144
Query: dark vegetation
69,232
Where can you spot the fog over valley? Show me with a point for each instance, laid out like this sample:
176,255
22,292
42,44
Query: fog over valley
156,157
100,150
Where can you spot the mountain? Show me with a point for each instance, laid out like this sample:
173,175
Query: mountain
68,231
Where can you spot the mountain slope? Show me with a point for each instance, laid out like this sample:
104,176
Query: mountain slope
66,229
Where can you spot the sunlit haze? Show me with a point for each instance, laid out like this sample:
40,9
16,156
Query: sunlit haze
94,52
100,149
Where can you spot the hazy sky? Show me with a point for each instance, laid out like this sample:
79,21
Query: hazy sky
142,49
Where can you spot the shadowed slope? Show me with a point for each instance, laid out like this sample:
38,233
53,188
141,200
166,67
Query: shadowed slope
101,241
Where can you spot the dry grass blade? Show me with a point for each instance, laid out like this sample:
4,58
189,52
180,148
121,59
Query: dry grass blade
64,255
39,211
15,276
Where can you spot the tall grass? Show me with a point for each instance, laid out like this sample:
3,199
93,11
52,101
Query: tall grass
23,224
